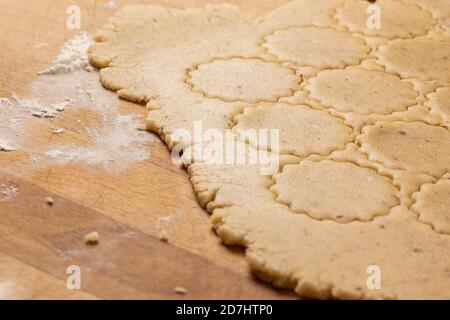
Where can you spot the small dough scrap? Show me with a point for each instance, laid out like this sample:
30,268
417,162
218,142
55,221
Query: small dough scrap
49,201
303,131
433,205
424,59
413,146
398,19
180,290
300,13
92,238
249,80
381,93
321,48
339,191
439,103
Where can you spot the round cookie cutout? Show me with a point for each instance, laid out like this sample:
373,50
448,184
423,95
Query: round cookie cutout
424,59
247,80
302,130
339,191
397,19
321,48
432,204
439,103
381,94
412,146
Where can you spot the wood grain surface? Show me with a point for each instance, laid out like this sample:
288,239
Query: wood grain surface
39,242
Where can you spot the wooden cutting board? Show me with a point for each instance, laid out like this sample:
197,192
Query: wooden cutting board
39,242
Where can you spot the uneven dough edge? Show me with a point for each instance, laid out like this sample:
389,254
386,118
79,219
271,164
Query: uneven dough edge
303,283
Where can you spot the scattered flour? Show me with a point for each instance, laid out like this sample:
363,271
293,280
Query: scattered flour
8,192
165,220
58,130
118,144
113,139
35,108
5,102
72,56
111,4
6,145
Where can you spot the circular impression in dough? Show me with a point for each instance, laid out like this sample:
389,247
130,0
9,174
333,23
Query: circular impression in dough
248,80
439,103
339,191
381,93
302,130
397,19
439,8
432,205
413,146
424,59
321,48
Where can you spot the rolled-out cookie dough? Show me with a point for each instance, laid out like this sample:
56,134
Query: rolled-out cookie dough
340,191
347,199
432,203
303,131
250,80
300,13
377,92
412,146
421,58
320,48
439,8
439,102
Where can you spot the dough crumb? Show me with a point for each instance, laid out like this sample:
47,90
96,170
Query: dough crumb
163,236
180,290
58,130
49,201
92,238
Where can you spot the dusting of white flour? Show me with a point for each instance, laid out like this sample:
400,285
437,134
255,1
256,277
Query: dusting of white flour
5,102
165,219
7,192
6,145
111,4
37,109
72,56
114,146
113,139
58,130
